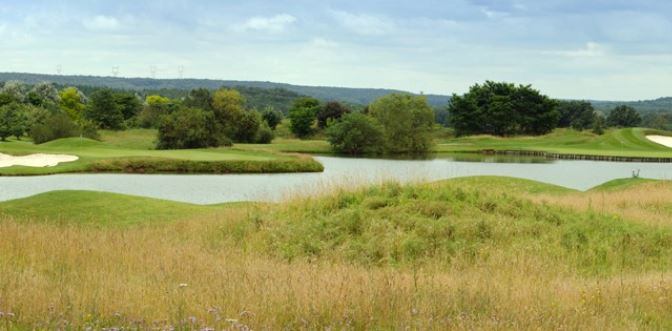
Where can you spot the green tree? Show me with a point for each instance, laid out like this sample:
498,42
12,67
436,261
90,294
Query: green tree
13,91
356,134
154,108
228,107
248,126
503,109
331,111
104,111
624,116
128,104
265,134
13,121
272,117
199,98
578,115
186,128
407,122
72,103
45,95
302,116
598,125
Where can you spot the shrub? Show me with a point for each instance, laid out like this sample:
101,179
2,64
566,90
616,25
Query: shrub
187,128
302,116
272,118
265,134
407,122
55,126
356,134
247,126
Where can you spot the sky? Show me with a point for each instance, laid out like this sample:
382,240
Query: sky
578,49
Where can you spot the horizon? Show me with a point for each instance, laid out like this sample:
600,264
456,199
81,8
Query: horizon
441,50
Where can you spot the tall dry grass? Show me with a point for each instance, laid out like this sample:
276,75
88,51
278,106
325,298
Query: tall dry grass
649,203
185,275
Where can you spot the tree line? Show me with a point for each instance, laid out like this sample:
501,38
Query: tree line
505,109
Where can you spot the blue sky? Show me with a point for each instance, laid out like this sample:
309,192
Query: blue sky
596,49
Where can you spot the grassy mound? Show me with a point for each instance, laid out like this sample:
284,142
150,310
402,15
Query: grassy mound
99,208
446,224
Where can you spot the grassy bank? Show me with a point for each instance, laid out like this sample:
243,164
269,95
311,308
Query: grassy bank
629,142
471,253
131,151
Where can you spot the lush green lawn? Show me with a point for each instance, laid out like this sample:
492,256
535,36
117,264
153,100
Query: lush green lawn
630,142
126,145
101,209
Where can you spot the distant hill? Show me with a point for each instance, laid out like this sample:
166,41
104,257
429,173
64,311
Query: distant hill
643,106
360,96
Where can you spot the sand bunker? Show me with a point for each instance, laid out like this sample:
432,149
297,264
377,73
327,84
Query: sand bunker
661,140
35,160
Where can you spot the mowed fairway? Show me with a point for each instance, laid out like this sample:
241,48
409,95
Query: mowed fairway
125,145
470,253
629,142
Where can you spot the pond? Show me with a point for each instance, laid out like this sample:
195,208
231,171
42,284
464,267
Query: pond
339,172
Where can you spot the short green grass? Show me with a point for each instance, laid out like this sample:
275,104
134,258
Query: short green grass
131,144
630,142
102,209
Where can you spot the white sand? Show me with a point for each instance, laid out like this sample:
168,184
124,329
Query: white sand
35,160
661,140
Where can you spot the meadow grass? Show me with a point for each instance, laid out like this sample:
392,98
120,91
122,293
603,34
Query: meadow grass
456,254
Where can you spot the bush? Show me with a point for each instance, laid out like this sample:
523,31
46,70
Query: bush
302,116
407,122
56,126
265,134
356,134
247,127
187,128
272,118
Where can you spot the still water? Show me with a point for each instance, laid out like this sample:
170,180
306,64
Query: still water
339,172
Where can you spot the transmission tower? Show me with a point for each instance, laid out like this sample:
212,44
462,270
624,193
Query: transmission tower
152,72
115,71
59,69
180,71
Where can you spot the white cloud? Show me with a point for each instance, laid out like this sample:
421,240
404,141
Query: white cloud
323,43
3,28
591,49
272,24
101,22
363,24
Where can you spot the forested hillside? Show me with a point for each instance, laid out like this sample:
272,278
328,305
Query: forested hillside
360,96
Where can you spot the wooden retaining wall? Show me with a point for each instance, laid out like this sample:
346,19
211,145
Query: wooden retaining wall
558,156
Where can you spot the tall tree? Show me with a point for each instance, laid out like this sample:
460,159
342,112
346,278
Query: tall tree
103,110
407,122
302,116
272,117
228,108
72,103
331,111
199,98
128,104
624,116
502,109
578,115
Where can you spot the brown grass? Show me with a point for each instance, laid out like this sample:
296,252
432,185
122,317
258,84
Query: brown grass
649,203
190,275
